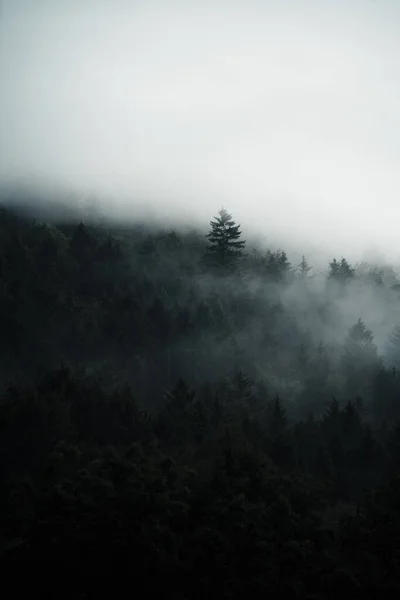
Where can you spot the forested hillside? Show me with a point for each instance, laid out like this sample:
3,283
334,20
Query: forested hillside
196,415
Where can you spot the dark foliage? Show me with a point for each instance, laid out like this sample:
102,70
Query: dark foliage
167,426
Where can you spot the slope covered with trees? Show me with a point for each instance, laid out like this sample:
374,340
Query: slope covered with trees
186,413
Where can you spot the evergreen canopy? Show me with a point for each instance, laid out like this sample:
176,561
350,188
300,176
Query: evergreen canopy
225,246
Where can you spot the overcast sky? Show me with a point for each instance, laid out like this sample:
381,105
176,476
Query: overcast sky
286,112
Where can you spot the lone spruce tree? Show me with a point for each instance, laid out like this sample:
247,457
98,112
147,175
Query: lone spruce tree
225,246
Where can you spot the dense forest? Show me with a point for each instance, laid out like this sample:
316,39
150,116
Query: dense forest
185,412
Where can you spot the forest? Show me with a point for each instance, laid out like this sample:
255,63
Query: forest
186,412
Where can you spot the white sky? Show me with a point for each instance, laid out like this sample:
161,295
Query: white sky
285,111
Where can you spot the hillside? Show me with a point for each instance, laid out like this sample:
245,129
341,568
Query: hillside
195,414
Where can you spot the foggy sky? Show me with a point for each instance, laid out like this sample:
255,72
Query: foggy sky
286,112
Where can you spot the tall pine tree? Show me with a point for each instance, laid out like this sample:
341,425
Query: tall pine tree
360,359
225,246
304,268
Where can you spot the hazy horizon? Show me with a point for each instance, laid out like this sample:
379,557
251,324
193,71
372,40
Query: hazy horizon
284,112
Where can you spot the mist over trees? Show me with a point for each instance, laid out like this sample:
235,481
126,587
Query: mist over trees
198,407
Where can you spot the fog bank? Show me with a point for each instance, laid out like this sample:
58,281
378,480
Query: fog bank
285,112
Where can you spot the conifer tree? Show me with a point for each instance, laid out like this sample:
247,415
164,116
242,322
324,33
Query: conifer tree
359,358
225,246
304,268
360,334
359,348
341,271
278,266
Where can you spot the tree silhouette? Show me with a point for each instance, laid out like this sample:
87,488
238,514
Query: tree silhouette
225,246
277,265
216,479
359,358
341,271
304,268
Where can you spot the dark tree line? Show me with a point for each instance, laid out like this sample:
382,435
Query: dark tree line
171,421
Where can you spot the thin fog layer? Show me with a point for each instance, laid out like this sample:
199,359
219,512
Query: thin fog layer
285,112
